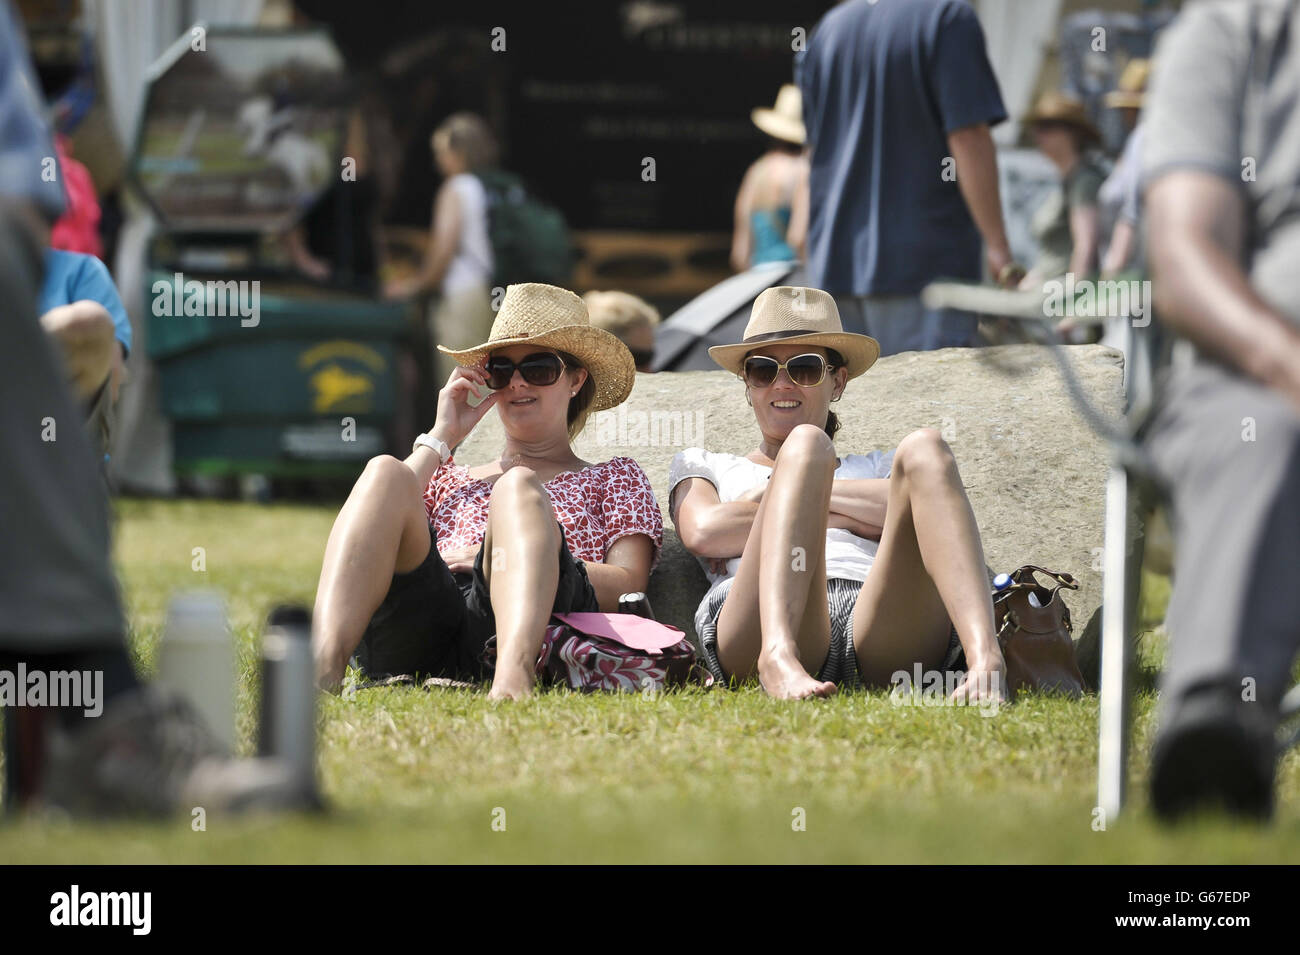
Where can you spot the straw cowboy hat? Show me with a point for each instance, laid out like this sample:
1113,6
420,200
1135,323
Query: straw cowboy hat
784,315
544,315
785,119
1131,89
1057,107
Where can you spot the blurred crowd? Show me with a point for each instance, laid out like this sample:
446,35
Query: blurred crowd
872,199
879,177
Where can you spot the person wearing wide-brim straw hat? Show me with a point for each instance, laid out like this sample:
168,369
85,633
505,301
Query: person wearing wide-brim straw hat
769,189
1120,197
788,533
545,315
1065,225
784,119
405,582
1055,108
1130,91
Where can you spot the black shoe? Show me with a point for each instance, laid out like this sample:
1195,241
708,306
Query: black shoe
1215,751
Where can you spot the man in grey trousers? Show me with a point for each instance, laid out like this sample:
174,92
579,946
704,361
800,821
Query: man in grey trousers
129,750
1222,184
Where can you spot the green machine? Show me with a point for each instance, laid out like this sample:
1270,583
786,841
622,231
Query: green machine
262,370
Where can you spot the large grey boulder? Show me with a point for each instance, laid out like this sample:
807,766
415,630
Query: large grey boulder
1035,473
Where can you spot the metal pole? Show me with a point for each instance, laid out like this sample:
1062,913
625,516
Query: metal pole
1116,656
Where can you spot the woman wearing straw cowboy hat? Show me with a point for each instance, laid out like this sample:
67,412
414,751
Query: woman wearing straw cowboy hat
1065,225
767,193
788,533
405,581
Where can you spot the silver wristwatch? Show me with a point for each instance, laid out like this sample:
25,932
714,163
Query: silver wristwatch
429,441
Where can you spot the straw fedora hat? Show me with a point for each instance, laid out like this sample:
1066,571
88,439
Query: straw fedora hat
785,315
785,119
1057,107
1131,89
551,317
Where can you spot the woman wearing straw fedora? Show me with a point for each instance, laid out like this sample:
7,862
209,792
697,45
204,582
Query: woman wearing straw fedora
788,533
405,582
1065,225
768,191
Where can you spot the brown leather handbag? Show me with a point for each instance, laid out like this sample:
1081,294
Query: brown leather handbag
1036,641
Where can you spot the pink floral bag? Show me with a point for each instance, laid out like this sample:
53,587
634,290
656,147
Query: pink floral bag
615,652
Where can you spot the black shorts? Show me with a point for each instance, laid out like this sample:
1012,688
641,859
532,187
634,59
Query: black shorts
435,623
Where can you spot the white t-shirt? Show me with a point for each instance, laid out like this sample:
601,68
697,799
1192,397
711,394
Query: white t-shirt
847,555
472,265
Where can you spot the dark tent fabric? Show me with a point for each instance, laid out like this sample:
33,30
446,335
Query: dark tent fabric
717,317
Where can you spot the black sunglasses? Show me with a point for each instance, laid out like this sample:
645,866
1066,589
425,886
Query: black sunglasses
542,368
806,371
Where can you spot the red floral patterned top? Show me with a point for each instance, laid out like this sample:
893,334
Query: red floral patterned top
595,506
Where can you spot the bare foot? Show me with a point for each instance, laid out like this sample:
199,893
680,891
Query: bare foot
784,678
509,684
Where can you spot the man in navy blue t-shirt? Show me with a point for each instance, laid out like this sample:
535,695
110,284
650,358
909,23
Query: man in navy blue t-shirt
898,98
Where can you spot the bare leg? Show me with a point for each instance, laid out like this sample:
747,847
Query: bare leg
775,620
521,547
928,571
382,530
84,332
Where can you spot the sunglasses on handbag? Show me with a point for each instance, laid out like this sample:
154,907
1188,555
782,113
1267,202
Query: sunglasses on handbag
541,368
806,371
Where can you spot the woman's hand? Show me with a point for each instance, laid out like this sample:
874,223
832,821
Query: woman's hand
985,682
456,416
461,560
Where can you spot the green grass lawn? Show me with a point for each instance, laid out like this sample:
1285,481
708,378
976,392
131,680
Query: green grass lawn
414,776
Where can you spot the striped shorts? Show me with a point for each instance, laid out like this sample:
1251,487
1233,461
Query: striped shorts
841,664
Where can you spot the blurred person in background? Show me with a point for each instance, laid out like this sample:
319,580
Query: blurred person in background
630,319
1220,167
77,230
1119,204
78,302
1065,226
340,239
82,311
898,100
1120,196
767,192
458,260
68,87
134,750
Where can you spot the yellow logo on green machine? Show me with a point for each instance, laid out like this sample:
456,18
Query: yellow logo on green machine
342,375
